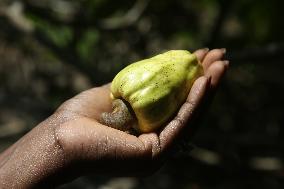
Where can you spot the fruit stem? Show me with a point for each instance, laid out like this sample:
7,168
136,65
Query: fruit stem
122,116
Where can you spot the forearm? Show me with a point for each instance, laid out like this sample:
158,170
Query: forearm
31,160
4,156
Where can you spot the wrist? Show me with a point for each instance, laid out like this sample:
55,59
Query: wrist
35,158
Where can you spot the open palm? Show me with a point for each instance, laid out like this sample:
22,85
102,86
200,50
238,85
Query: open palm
83,137
72,142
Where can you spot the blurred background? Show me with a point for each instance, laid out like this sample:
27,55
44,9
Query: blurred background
51,50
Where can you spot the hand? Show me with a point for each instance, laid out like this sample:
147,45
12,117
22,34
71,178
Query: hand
72,142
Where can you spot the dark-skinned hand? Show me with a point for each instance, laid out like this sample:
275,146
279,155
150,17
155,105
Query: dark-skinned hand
72,142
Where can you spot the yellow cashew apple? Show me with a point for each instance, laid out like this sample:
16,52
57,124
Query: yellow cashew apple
152,90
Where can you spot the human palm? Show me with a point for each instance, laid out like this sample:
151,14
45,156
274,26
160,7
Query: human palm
73,142
84,137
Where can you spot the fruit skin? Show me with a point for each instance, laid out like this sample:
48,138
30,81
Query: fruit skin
156,87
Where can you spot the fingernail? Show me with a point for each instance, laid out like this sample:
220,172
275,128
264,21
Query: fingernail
226,63
206,49
223,50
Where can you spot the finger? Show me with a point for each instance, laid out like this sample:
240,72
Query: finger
87,139
216,71
212,56
201,53
176,126
151,142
